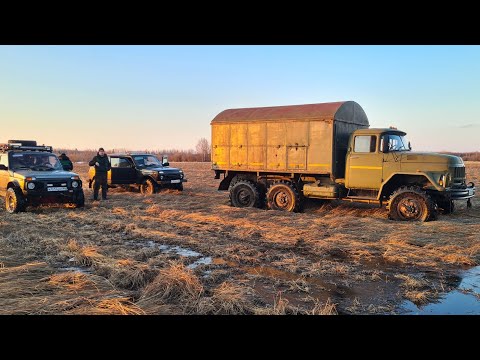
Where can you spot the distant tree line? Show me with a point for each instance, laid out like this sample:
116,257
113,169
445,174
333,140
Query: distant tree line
200,154
467,156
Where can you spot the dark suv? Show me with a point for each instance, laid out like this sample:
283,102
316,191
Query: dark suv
31,175
144,170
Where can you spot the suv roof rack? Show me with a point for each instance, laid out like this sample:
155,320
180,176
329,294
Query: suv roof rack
21,147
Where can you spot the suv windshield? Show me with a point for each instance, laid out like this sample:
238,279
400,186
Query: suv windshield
146,161
393,142
35,162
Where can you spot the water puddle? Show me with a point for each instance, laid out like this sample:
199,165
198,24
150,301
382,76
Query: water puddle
272,272
76,269
465,300
178,250
207,260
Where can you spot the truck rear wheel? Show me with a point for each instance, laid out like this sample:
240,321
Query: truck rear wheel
411,204
148,187
283,196
14,201
446,206
244,194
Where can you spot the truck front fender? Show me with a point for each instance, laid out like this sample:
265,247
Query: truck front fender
407,178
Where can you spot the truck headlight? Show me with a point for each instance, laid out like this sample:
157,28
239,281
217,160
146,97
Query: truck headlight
75,184
443,180
31,185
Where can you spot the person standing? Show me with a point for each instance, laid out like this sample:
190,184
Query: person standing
102,167
66,163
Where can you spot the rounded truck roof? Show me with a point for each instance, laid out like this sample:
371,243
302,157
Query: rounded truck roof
346,111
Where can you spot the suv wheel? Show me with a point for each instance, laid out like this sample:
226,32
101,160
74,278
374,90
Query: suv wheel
14,201
148,187
79,200
178,187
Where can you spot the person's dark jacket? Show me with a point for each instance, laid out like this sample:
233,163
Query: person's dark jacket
66,163
104,164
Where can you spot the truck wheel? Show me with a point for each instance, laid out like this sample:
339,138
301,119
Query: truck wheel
244,194
79,200
178,187
14,201
148,187
283,196
411,204
446,206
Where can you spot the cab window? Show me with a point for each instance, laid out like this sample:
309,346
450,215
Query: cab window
365,144
124,163
120,163
4,160
114,162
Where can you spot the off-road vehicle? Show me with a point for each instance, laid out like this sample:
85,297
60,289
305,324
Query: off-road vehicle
141,170
280,155
31,175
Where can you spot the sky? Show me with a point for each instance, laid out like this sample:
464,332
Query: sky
164,97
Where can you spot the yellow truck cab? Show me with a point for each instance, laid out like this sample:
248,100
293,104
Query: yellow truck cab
274,156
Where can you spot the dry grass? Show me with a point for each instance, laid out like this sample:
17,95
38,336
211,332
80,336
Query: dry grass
347,247
72,280
327,308
176,284
230,299
118,306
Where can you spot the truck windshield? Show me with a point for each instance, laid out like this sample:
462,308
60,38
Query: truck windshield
146,161
35,162
393,142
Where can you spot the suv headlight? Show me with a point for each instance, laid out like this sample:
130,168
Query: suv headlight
31,185
75,184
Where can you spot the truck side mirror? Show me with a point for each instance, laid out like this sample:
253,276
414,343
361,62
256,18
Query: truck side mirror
166,164
3,167
409,146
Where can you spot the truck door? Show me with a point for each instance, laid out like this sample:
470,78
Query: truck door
3,173
123,171
364,164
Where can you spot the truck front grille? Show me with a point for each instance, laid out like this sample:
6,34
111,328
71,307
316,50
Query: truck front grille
458,172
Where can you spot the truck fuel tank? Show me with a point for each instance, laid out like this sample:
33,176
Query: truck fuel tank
318,190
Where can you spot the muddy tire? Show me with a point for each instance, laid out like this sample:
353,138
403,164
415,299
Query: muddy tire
178,187
79,200
410,203
14,201
283,196
446,206
148,187
244,194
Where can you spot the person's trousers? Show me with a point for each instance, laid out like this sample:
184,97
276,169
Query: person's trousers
100,180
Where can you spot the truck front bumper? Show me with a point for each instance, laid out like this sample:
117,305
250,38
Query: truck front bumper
462,193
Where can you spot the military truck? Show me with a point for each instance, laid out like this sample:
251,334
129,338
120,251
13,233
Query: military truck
31,174
143,170
277,156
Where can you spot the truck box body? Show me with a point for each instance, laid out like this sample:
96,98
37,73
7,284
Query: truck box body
307,139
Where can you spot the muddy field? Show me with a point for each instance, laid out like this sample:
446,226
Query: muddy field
190,253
